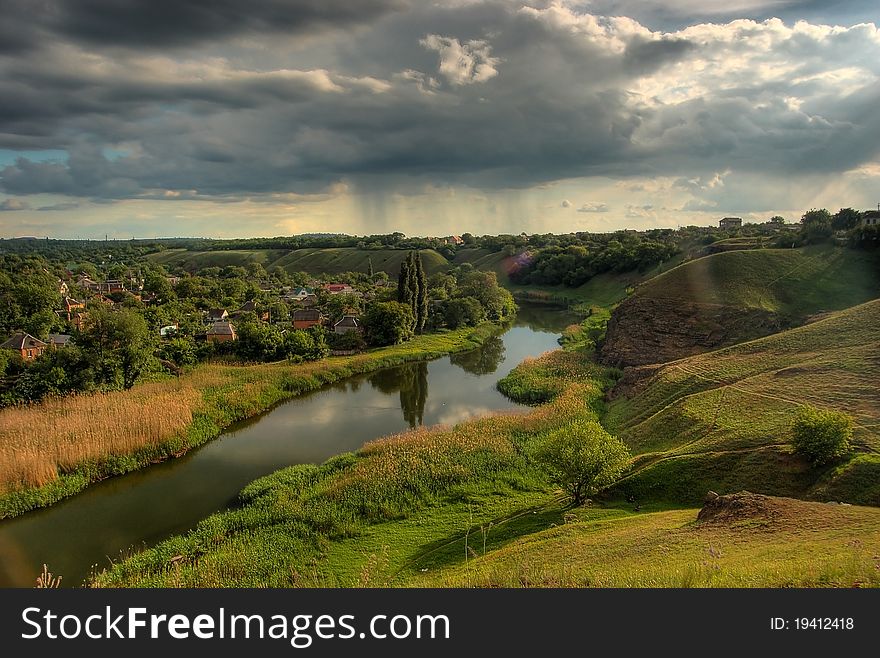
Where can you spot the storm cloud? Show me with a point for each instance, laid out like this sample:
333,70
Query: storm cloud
230,101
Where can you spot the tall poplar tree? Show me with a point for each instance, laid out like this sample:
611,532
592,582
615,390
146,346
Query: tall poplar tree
421,310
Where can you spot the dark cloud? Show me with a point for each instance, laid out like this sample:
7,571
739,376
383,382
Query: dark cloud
560,95
175,23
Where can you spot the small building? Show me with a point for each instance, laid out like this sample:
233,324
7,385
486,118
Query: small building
78,319
25,344
338,288
69,306
304,318
221,332
308,300
871,218
112,285
253,306
216,314
347,323
59,341
297,294
731,223
170,330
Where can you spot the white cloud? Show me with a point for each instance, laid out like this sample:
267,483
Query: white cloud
594,206
463,63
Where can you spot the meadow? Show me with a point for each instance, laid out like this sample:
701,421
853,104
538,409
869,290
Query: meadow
56,448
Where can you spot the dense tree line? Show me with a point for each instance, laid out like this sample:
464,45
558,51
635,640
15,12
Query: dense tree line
575,263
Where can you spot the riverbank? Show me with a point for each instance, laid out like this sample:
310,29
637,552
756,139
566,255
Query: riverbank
56,449
361,517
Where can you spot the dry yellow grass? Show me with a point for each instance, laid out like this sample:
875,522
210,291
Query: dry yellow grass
37,442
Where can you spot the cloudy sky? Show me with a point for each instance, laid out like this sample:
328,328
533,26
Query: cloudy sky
225,118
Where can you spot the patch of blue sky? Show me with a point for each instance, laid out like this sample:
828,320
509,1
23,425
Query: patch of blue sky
9,156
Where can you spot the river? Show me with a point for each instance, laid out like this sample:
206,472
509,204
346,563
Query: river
123,514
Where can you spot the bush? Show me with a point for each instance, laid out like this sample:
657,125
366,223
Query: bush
820,435
583,458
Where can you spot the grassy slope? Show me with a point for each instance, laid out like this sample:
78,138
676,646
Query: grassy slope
216,396
807,545
793,282
313,261
604,290
721,420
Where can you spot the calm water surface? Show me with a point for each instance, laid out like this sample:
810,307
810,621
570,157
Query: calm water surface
131,511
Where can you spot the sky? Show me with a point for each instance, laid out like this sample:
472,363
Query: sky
222,118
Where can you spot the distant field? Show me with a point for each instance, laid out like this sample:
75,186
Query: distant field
194,260
313,261
721,420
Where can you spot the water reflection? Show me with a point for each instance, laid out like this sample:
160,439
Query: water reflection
482,361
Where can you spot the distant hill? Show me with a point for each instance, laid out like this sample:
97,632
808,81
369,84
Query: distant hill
312,261
721,420
734,296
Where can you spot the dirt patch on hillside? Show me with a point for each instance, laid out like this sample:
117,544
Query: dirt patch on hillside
746,508
644,330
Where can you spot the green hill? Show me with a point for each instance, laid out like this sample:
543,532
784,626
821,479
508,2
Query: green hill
312,261
721,421
734,296
761,542
195,260
349,259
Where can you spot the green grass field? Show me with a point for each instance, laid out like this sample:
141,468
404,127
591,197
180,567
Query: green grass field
312,261
798,544
721,420
791,282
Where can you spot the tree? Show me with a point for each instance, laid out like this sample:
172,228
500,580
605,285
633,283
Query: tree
119,343
464,312
845,219
388,323
421,305
777,220
821,435
305,345
258,341
816,226
583,458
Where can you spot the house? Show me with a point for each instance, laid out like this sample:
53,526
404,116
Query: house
308,300
731,223
871,218
78,320
86,283
59,341
169,331
253,306
111,285
338,288
63,288
25,344
453,240
297,294
347,323
221,332
69,306
303,318
217,314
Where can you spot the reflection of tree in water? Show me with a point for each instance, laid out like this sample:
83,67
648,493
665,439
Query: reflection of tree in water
386,381
411,380
544,317
482,361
